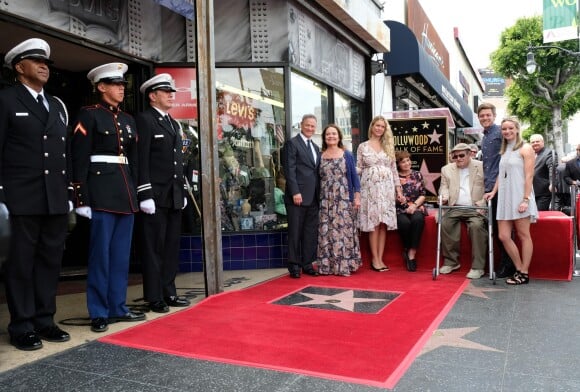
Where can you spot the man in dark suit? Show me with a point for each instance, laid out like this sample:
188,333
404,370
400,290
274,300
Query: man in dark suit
35,188
302,159
543,172
161,192
572,170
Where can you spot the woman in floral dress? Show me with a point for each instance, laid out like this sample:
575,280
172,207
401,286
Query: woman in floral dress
380,187
338,244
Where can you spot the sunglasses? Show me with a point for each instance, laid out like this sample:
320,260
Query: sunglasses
458,156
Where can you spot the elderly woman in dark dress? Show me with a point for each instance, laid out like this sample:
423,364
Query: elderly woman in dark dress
411,213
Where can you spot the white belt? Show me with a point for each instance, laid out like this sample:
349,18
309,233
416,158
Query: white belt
109,159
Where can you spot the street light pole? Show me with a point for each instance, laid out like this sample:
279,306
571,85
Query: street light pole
531,64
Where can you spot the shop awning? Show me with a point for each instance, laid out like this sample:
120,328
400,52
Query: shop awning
407,57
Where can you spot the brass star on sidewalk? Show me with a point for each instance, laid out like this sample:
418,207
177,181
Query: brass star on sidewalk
479,291
344,300
453,337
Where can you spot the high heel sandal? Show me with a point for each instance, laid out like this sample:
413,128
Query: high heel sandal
380,269
518,279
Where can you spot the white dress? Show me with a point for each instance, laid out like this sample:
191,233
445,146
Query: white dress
378,179
511,187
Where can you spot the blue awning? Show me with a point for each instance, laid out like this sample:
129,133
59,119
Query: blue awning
407,57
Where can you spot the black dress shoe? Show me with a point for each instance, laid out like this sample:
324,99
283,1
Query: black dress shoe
505,271
27,341
129,316
99,324
311,272
158,307
295,274
53,334
176,301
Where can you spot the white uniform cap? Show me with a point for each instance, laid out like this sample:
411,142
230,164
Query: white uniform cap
108,73
162,81
31,48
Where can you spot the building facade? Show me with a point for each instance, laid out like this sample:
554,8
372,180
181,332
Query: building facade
274,62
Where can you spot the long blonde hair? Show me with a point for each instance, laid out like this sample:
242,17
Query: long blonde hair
387,140
519,140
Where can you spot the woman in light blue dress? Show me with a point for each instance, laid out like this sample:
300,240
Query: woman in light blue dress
516,206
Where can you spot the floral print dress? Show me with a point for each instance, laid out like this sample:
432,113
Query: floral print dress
338,245
378,179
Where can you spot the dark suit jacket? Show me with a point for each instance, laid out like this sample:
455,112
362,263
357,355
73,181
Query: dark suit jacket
34,175
300,171
572,171
160,160
543,171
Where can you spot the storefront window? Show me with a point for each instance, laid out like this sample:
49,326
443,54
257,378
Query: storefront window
348,116
251,130
309,97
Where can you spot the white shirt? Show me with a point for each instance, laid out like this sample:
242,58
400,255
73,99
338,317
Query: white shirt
464,198
312,150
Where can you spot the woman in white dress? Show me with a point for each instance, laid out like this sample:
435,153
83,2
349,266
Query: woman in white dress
516,205
377,169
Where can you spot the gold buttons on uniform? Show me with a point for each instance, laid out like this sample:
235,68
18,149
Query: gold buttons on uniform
45,154
46,172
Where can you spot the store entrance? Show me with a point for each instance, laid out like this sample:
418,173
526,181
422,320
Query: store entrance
68,81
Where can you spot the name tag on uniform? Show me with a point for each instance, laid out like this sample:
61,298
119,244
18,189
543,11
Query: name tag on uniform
158,136
21,114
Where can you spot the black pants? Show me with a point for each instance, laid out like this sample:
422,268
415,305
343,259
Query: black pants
543,202
157,246
410,228
302,235
32,270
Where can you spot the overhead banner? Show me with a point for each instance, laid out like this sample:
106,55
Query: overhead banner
560,20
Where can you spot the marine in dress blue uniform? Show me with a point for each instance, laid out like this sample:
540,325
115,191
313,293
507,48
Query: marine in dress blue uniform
104,160
35,188
162,195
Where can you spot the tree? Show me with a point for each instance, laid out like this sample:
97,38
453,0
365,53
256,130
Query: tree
549,96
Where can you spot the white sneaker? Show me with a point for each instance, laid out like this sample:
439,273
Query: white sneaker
447,269
475,274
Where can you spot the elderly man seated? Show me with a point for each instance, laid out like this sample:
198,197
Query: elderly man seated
462,185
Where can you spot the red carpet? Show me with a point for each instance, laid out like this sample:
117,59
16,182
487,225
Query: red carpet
259,327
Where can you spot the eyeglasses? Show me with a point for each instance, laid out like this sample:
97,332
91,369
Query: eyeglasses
458,156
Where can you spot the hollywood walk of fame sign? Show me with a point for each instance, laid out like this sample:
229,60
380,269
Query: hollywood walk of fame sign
425,138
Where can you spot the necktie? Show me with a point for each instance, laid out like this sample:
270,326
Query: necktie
168,120
40,100
309,144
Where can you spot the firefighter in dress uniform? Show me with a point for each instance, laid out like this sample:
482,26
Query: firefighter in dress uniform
35,190
162,195
104,161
